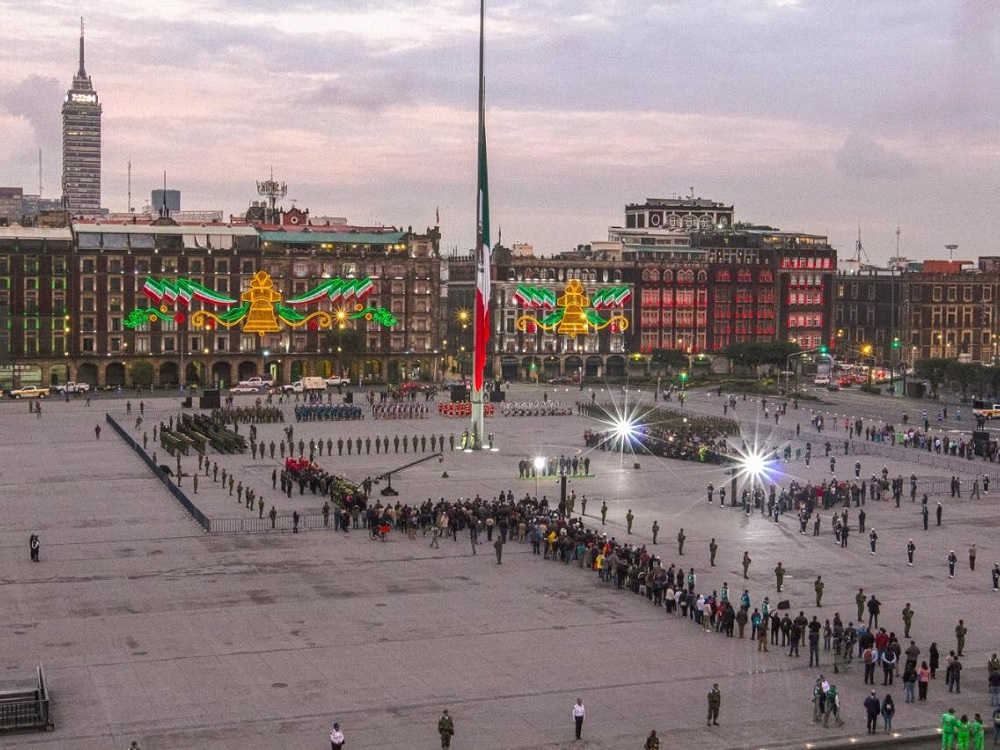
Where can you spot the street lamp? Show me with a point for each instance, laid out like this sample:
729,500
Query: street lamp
539,464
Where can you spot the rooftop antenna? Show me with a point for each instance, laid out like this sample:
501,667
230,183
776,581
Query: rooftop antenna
82,73
859,249
273,191
692,192
897,241
164,211
129,201
951,251
39,172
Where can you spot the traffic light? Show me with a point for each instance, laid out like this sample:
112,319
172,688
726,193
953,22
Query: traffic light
895,342
822,349
684,375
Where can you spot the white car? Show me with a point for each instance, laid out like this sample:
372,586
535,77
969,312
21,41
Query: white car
334,380
243,388
822,380
256,382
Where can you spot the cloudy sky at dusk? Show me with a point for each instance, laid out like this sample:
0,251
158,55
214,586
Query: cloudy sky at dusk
811,115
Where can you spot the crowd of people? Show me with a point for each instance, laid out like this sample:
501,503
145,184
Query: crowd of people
535,409
327,412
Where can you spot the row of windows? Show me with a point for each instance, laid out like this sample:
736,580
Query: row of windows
807,263
805,298
33,283
805,279
808,320
30,264
563,274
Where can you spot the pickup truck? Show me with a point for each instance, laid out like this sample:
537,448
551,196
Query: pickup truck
305,384
335,380
29,391
72,387
257,382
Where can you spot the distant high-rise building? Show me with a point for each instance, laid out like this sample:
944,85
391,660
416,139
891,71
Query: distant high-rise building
81,113
166,199
10,204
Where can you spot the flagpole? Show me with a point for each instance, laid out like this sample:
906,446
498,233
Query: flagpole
481,320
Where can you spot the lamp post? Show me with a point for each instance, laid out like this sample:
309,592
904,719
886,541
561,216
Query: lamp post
180,349
539,464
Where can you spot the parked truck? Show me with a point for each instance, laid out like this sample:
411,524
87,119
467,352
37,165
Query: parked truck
72,387
305,384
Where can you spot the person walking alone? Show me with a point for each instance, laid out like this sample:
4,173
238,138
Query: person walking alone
714,704
336,737
446,729
579,713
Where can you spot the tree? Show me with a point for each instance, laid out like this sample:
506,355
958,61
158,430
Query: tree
671,359
933,370
963,374
141,372
757,353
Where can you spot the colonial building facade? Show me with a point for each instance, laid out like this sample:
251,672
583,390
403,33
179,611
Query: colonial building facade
65,295
912,311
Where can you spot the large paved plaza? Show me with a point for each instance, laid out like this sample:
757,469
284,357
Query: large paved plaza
151,629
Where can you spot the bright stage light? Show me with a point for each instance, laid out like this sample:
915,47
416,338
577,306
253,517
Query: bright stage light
754,464
625,430
539,463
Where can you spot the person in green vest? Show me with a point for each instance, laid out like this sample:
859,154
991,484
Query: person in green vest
948,726
963,733
978,733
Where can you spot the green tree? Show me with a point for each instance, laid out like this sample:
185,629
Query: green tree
671,359
963,375
933,370
141,373
754,354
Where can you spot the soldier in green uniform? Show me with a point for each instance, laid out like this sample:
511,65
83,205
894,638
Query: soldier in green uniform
629,518
446,728
357,446
714,704
860,599
604,511
340,446
680,542
907,620
746,563
712,549
819,590
656,530
779,576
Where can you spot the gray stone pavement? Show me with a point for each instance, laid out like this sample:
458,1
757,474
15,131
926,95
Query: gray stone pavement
151,629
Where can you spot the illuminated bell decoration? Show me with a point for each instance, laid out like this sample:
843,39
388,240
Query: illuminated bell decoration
574,313
261,310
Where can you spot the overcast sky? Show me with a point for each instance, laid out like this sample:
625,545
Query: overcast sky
812,115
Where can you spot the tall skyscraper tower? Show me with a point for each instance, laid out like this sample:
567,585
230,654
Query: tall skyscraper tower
81,113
